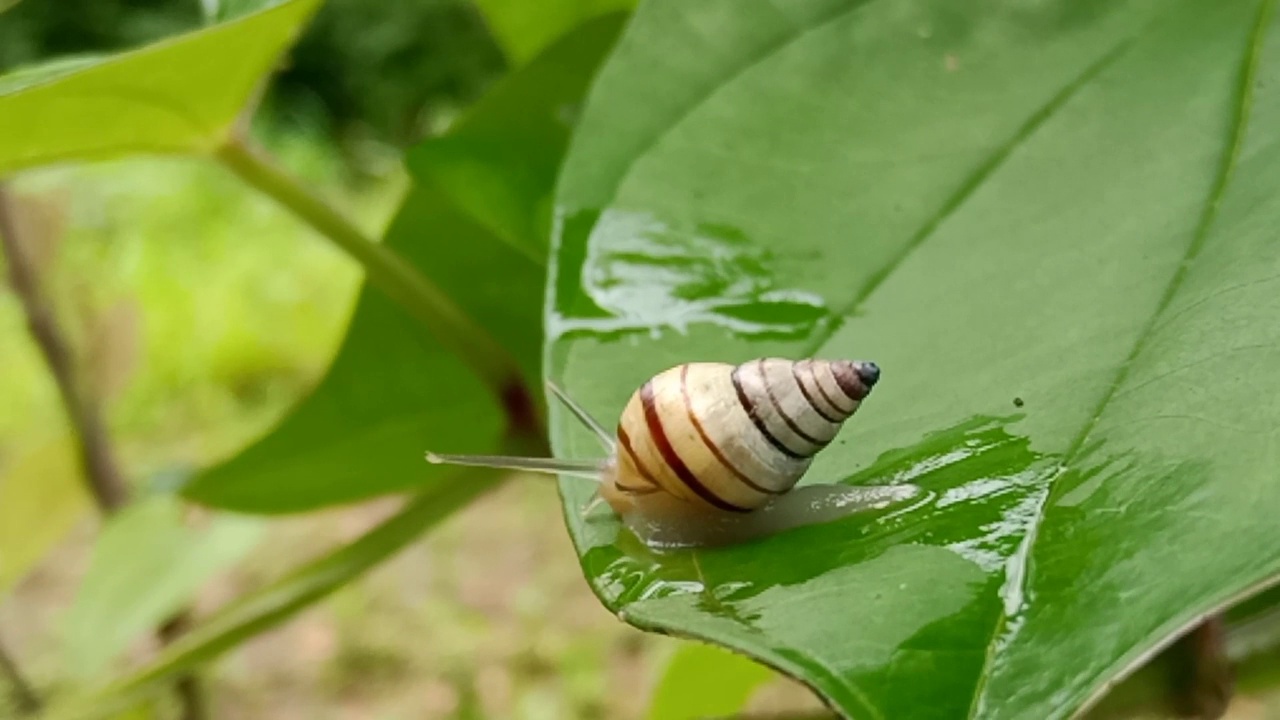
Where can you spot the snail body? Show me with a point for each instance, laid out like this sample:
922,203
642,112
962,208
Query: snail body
710,453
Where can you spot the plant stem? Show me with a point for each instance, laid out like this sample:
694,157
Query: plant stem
1216,656
391,274
97,456
1203,673
96,453
187,686
23,691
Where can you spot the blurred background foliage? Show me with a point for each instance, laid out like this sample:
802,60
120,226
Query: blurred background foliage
489,616
388,71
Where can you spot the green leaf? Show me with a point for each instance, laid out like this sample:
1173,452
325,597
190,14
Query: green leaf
393,392
42,496
702,681
146,565
45,72
181,95
524,29
1249,643
265,608
1066,265
220,10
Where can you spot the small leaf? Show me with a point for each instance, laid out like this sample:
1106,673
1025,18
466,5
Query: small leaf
147,564
525,29
181,95
265,608
1065,265
42,497
703,681
393,393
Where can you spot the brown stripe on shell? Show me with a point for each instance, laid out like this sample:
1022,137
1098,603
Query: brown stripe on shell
786,419
795,373
706,439
758,421
625,441
660,440
847,378
823,391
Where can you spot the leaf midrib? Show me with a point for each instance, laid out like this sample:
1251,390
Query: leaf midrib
766,52
967,188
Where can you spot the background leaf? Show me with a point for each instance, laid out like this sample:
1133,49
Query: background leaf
220,10
177,96
41,498
1065,265
253,613
525,29
147,564
702,681
393,392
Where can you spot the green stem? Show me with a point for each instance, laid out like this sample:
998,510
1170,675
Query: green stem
1250,646
384,269
97,456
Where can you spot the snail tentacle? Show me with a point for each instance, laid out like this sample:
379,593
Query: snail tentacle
584,417
588,469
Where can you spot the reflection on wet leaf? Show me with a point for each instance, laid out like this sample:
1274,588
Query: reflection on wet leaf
886,578
640,274
974,469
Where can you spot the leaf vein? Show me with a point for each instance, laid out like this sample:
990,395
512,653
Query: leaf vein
1226,168
970,185
794,34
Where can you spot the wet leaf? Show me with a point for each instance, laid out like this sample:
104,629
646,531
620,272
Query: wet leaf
1066,266
180,95
475,223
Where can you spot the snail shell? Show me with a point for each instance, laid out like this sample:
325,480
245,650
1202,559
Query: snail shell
710,453
732,438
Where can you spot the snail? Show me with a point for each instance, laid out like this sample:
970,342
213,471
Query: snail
710,453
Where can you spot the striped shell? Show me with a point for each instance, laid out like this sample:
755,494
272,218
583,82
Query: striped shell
731,437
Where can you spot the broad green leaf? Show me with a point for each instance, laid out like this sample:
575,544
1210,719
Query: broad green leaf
42,496
181,95
1065,262
393,392
258,611
147,564
47,71
703,681
524,29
